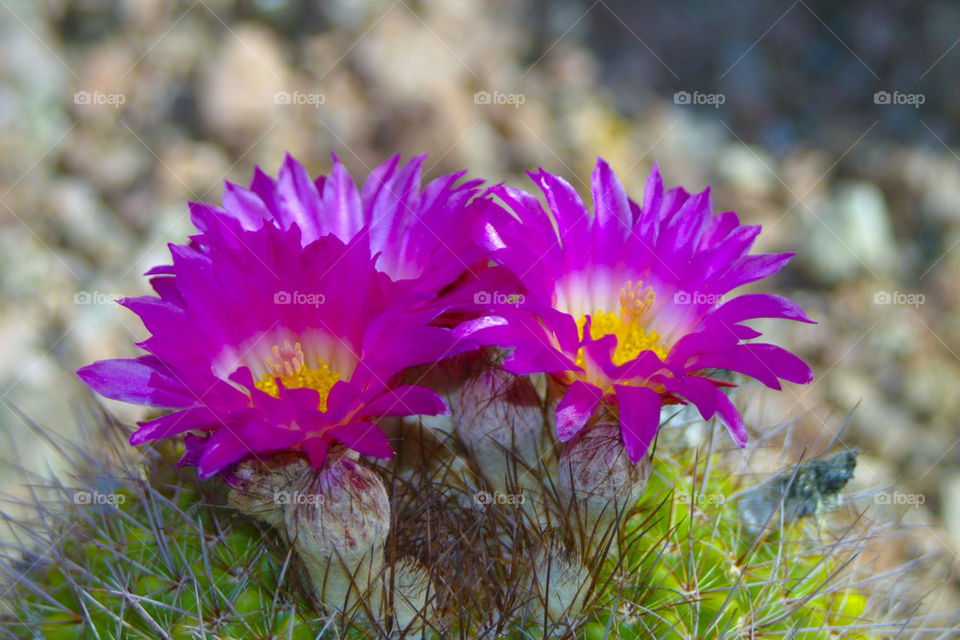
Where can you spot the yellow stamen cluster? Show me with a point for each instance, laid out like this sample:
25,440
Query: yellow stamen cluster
289,365
632,337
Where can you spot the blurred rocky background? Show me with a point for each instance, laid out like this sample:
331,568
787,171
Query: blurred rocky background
832,124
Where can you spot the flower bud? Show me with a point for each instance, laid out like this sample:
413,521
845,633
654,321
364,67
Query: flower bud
409,595
338,527
561,584
261,488
499,418
597,482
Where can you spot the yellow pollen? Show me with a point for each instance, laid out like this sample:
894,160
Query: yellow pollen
290,367
632,337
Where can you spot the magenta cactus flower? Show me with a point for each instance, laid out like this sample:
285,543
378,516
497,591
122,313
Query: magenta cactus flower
627,307
285,325
421,237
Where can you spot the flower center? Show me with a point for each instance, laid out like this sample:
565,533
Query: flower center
290,367
627,325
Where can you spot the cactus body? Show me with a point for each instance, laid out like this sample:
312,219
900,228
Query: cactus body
167,560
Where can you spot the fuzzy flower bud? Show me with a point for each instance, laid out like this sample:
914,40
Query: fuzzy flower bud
409,595
338,526
597,482
498,416
561,584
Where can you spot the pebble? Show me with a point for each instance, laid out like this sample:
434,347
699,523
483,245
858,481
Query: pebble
242,83
950,501
850,234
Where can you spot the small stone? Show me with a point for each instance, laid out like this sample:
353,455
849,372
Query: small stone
86,221
395,51
196,170
950,504
850,235
241,84
747,169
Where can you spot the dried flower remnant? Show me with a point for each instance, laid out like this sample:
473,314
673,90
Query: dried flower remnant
810,489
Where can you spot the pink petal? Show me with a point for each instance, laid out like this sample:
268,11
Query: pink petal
195,418
576,409
639,419
365,438
731,418
406,400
